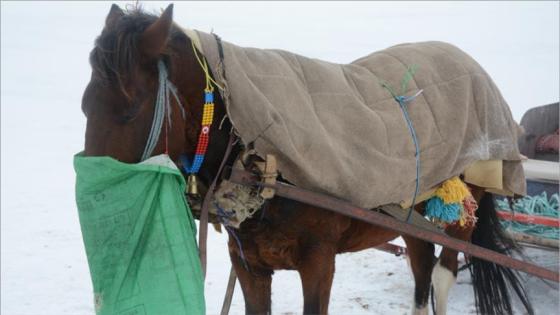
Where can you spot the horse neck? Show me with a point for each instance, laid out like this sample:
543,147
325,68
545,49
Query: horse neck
190,80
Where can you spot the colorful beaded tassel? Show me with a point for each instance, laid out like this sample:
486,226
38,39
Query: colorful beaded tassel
192,167
204,136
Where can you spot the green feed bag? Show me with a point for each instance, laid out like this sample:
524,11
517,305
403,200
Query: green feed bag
139,236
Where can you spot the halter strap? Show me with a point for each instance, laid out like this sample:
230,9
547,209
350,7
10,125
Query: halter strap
162,108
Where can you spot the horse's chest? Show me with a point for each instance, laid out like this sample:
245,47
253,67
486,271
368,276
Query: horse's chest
289,232
279,253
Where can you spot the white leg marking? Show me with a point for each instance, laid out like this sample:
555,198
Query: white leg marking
442,280
409,263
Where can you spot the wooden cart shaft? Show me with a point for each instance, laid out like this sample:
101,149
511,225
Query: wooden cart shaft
377,218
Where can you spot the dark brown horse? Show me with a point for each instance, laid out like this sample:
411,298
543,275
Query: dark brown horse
119,105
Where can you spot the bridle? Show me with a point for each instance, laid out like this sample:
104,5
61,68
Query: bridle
162,111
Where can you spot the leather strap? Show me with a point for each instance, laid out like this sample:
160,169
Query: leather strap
203,229
229,292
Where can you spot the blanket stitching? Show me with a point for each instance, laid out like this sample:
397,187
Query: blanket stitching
300,75
483,130
423,97
471,74
377,102
351,79
476,104
262,132
483,75
267,99
431,85
455,83
309,94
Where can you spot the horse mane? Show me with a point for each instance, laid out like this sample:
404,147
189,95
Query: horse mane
116,52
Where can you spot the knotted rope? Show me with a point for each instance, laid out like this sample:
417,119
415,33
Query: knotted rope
539,205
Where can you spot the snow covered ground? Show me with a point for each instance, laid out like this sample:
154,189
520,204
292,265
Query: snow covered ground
44,69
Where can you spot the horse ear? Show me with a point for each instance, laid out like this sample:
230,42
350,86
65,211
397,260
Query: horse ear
154,38
114,14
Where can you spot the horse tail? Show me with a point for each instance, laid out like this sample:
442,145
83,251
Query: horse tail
490,280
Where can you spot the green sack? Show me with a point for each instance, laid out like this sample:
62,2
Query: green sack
139,236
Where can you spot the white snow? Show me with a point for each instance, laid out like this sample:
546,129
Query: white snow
44,70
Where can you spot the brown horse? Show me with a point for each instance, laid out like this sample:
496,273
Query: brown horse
119,105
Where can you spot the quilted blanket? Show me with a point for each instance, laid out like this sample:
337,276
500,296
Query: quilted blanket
335,129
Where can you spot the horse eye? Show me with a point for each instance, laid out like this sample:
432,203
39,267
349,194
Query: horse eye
127,118
130,114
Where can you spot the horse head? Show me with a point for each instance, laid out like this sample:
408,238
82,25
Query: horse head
119,99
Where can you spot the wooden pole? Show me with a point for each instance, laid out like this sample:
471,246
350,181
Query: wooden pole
379,219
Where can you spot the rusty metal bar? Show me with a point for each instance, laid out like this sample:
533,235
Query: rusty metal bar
376,218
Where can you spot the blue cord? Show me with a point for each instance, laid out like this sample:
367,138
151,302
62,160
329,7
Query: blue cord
232,233
403,100
224,218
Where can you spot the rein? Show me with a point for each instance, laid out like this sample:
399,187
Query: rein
203,230
191,167
162,109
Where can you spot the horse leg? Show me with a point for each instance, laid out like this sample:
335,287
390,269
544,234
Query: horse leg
316,270
421,258
444,273
256,286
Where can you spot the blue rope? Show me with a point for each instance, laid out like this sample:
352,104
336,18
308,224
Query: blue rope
224,218
403,100
539,205
223,215
232,233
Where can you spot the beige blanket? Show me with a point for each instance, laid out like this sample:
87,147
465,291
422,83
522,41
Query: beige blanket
333,128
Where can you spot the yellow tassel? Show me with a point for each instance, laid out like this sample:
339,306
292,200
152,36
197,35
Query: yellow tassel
453,191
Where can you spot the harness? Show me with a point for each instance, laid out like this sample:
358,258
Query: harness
162,111
191,167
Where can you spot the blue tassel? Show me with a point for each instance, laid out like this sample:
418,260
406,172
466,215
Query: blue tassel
436,209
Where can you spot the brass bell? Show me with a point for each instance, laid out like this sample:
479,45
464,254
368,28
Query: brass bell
192,185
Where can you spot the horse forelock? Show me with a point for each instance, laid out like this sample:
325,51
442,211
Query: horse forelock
116,51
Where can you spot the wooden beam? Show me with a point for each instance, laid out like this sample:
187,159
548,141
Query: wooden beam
383,220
